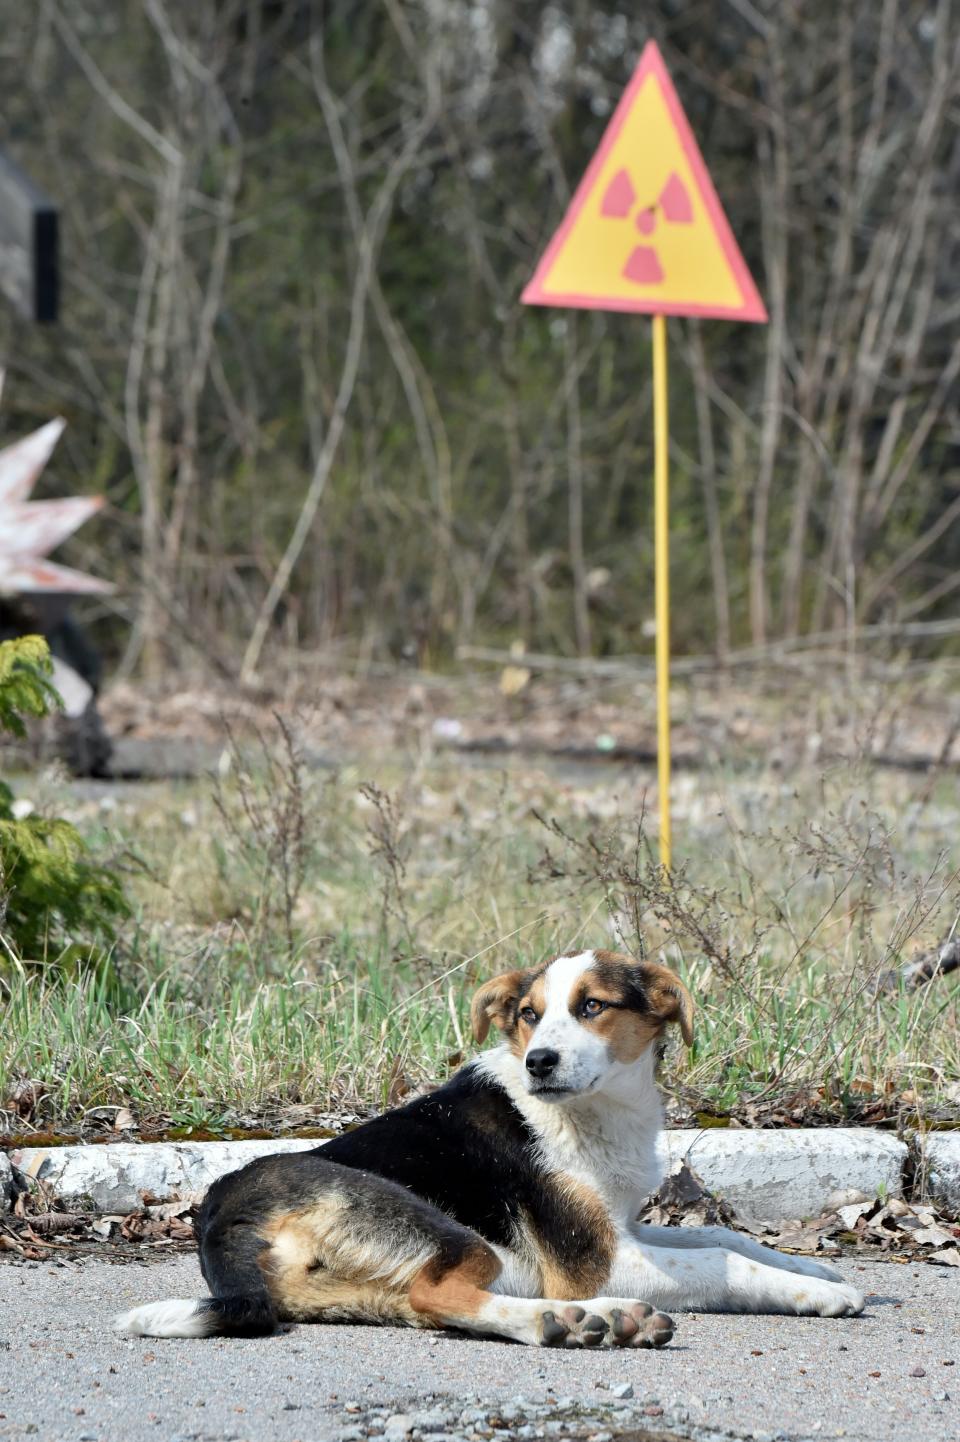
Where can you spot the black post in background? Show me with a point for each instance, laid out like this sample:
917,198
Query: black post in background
29,245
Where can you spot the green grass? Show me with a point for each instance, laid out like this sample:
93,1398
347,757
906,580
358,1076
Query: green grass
304,941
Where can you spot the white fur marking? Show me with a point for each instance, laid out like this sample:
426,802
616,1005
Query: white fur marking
583,1054
179,1317
606,1139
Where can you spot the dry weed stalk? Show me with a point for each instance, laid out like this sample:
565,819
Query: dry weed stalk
273,842
754,934
384,836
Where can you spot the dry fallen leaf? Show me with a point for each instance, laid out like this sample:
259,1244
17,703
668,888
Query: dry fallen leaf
51,1224
846,1197
932,1237
849,1216
513,679
140,1227
684,1201
904,1230
168,1211
25,1098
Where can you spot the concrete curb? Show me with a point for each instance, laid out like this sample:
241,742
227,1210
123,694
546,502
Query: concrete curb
765,1175
6,1183
114,1174
940,1159
770,1176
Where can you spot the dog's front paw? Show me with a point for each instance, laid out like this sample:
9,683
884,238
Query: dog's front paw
605,1322
826,1299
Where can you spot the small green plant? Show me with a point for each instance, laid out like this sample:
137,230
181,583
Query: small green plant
56,904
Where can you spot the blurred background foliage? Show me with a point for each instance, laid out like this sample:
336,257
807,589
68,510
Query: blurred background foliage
292,353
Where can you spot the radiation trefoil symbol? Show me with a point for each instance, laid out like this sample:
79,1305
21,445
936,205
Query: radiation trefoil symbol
620,201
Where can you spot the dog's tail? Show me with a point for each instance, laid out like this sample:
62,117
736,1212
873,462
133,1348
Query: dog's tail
237,1316
240,1306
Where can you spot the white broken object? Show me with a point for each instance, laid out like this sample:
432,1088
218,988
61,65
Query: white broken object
941,1157
75,693
447,728
29,530
763,1175
849,1216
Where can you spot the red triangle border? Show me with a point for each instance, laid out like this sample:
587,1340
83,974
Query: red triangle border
752,309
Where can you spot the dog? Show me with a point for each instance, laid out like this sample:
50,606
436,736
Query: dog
501,1204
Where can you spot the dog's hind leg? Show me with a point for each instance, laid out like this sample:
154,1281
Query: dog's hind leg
301,1239
455,1293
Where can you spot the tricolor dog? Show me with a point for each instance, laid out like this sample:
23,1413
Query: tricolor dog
502,1204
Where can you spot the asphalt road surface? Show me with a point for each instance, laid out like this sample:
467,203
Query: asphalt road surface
893,1373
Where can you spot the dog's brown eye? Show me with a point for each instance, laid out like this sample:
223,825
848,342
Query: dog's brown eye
528,1015
593,1006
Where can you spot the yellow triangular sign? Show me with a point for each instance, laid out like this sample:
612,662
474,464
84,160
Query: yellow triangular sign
645,230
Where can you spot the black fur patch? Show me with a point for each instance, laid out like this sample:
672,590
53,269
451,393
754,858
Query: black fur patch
621,978
447,1167
467,1149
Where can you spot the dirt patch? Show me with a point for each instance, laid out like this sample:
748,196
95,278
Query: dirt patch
780,719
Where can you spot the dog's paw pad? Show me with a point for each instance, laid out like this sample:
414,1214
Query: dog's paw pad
623,1327
593,1329
553,1332
653,1329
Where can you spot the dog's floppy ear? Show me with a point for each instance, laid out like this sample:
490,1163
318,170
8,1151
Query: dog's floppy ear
494,1003
669,999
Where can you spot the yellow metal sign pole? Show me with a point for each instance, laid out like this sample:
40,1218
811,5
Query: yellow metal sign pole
661,542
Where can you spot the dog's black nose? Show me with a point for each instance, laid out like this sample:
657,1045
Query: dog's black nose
542,1061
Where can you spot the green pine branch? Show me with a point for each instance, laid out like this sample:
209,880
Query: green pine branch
56,903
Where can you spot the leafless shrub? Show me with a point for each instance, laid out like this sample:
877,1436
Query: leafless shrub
388,849
264,813
825,900
640,892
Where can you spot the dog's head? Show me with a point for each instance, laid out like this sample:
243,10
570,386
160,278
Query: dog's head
578,1022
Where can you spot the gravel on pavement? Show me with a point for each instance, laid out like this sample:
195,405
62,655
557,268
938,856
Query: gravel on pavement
893,1373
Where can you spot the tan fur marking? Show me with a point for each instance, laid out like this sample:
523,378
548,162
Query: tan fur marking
493,1003
316,1267
318,1297
303,1290
445,1297
535,996
627,1033
590,1226
669,998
